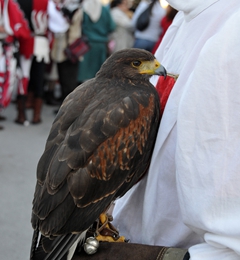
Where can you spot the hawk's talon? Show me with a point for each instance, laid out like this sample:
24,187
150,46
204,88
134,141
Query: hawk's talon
105,231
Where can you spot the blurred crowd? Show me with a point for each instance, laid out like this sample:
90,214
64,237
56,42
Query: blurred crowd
34,35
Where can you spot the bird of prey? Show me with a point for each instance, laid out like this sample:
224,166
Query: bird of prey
99,146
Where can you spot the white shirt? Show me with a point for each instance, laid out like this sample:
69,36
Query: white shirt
191,197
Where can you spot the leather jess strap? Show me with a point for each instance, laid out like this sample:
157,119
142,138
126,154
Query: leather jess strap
130,251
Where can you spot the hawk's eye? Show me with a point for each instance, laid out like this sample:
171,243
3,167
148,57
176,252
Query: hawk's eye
136,63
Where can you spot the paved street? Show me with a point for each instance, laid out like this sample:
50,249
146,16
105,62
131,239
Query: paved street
20,150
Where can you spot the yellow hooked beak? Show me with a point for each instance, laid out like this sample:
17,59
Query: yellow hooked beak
152,68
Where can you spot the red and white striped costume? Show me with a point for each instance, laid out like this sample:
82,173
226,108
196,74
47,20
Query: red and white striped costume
31,42
12,19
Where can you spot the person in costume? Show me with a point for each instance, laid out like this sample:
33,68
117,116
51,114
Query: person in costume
190,197
33,66
97,26
14,32
65,19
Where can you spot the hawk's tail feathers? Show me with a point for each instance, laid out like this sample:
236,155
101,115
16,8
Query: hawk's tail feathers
34,243
60,248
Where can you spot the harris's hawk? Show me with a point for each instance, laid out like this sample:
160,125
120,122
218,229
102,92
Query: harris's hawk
99,146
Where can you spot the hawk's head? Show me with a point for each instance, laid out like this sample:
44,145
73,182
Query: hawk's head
132,64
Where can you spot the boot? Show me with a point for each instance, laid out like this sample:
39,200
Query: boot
49,97
2,118
30,100
51,100
37,111
21,117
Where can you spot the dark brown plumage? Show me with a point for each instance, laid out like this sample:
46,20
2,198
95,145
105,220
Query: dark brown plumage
99,146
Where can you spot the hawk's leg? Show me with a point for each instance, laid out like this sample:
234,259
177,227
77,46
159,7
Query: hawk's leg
105,231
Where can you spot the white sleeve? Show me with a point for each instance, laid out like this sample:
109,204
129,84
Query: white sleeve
208,147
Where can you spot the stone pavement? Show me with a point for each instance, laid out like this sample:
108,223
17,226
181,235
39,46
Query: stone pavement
20,150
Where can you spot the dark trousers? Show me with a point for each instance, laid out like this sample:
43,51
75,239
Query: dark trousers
67,73
36,81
